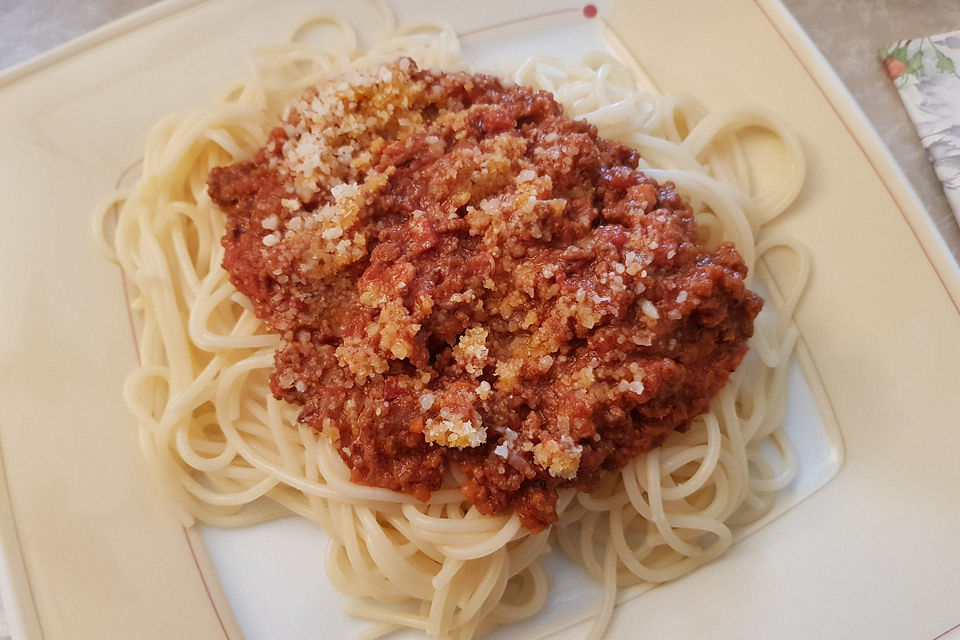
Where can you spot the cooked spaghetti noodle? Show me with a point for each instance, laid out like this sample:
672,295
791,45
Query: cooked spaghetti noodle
227,453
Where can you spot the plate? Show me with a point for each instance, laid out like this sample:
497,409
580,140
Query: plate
90,549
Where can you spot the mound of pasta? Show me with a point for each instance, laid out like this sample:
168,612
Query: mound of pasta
459,320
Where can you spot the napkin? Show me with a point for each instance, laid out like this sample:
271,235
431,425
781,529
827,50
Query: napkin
926,72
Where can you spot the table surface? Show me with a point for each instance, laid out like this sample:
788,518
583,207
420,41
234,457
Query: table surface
849,33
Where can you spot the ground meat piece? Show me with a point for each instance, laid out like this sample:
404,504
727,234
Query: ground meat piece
462,275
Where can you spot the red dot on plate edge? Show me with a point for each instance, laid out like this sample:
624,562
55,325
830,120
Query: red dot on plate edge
590,11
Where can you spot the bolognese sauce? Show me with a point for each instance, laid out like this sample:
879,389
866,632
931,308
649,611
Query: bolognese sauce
469,284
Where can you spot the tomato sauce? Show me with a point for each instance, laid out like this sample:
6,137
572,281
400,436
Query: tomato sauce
466,279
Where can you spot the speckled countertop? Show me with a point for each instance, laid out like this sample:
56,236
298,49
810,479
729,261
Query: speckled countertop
848,32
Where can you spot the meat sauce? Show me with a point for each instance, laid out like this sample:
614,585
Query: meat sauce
472,287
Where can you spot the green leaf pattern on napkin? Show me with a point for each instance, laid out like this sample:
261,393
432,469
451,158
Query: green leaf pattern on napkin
905,59
945,63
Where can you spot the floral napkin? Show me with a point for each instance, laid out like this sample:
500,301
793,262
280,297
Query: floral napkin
925,71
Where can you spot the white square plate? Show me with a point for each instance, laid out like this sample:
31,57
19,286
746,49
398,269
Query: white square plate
92,552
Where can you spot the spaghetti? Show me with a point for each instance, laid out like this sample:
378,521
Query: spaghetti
226,452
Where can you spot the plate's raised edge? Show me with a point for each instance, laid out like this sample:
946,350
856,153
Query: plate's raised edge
90,39
18,601
211,582
871,145
17,594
